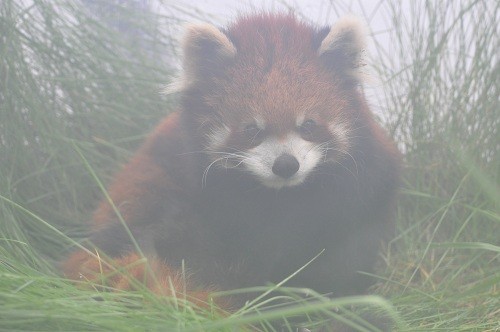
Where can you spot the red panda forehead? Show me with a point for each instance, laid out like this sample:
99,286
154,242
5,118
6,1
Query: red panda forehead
282,96
278,111
267,36
280,100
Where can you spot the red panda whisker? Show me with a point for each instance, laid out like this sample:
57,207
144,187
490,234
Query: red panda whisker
225,153
354,175
191,152
326,146
226,157
241,152
205,172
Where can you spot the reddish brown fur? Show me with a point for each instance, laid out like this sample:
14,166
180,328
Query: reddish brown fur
141,177
288,75
132,272
276,74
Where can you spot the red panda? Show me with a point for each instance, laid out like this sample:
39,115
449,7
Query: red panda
272,158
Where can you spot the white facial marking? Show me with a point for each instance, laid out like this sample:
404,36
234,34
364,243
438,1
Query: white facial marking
261,159
300,119
260,122
340,130
218,136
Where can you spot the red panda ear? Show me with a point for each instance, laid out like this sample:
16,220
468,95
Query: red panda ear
205,49
341,49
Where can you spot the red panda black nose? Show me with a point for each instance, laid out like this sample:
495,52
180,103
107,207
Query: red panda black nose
285,166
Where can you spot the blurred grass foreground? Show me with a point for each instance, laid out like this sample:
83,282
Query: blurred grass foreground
83,77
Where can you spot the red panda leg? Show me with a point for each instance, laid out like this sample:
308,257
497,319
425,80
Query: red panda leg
132,272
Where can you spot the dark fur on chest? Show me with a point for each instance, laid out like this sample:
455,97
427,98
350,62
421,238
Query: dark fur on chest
232,232
244,234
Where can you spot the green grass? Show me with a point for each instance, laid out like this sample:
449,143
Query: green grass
443,268
71,84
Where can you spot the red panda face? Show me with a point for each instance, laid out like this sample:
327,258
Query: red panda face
278,126
274,95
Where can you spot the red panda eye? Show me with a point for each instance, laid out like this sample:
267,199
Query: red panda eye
252,131
307,128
